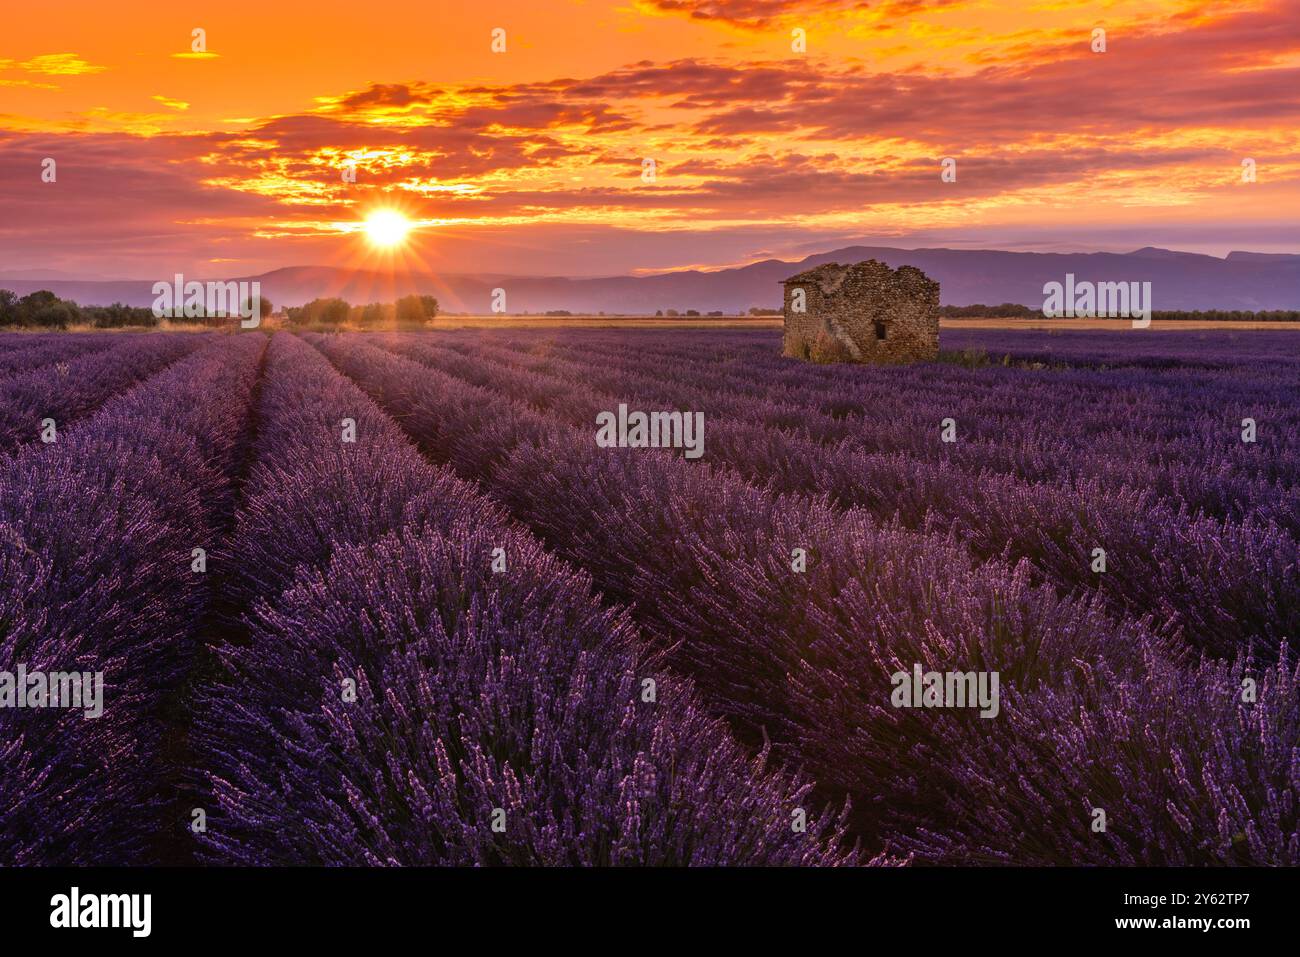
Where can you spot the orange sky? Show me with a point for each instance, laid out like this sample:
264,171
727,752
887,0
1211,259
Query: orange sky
531,160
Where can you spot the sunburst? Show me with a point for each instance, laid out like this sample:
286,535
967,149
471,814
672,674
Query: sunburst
387,228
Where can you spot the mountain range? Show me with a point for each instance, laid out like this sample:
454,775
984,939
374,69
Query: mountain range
1179,280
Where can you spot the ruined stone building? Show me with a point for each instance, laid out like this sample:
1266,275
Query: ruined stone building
862,313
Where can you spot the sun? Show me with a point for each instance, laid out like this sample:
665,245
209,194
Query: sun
387,228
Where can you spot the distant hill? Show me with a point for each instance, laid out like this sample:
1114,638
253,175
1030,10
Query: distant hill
1180,280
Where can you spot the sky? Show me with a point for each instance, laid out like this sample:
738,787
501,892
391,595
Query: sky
602,137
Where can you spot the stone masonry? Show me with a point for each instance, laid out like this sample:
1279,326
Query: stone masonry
862,313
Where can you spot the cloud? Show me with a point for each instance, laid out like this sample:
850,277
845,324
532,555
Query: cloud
31,84
799,146
47,64
753,14
763,14
389,95
54,64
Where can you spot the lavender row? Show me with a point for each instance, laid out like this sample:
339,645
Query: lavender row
1225,586
1139,437
39,403
1088,396
51,350
98,575
1217,491
1208,348
806,658
1177,434
394,698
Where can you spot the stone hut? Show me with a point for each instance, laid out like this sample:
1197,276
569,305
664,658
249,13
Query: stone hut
862,313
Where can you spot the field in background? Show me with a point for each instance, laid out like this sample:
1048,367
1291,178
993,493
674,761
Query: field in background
1112,325
775,322
430,595
719,322
621,322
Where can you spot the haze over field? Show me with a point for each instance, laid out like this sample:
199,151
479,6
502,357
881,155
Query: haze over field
1246,281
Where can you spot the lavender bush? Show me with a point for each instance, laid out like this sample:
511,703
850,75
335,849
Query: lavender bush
50,350
475,690
702,559
96,534
1225,585
441,625
82,384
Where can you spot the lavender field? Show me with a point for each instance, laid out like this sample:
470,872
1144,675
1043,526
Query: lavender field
383,598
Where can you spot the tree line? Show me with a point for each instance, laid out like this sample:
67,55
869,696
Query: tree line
335,312
44,310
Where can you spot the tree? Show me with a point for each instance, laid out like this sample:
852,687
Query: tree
8,307
334,311
330,312
264,308
411,309
374,313
118,316
46,310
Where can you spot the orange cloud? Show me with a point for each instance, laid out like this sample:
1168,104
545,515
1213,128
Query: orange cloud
743,143
54,64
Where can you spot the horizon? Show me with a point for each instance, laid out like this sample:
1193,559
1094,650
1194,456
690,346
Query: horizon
58,276
598,138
